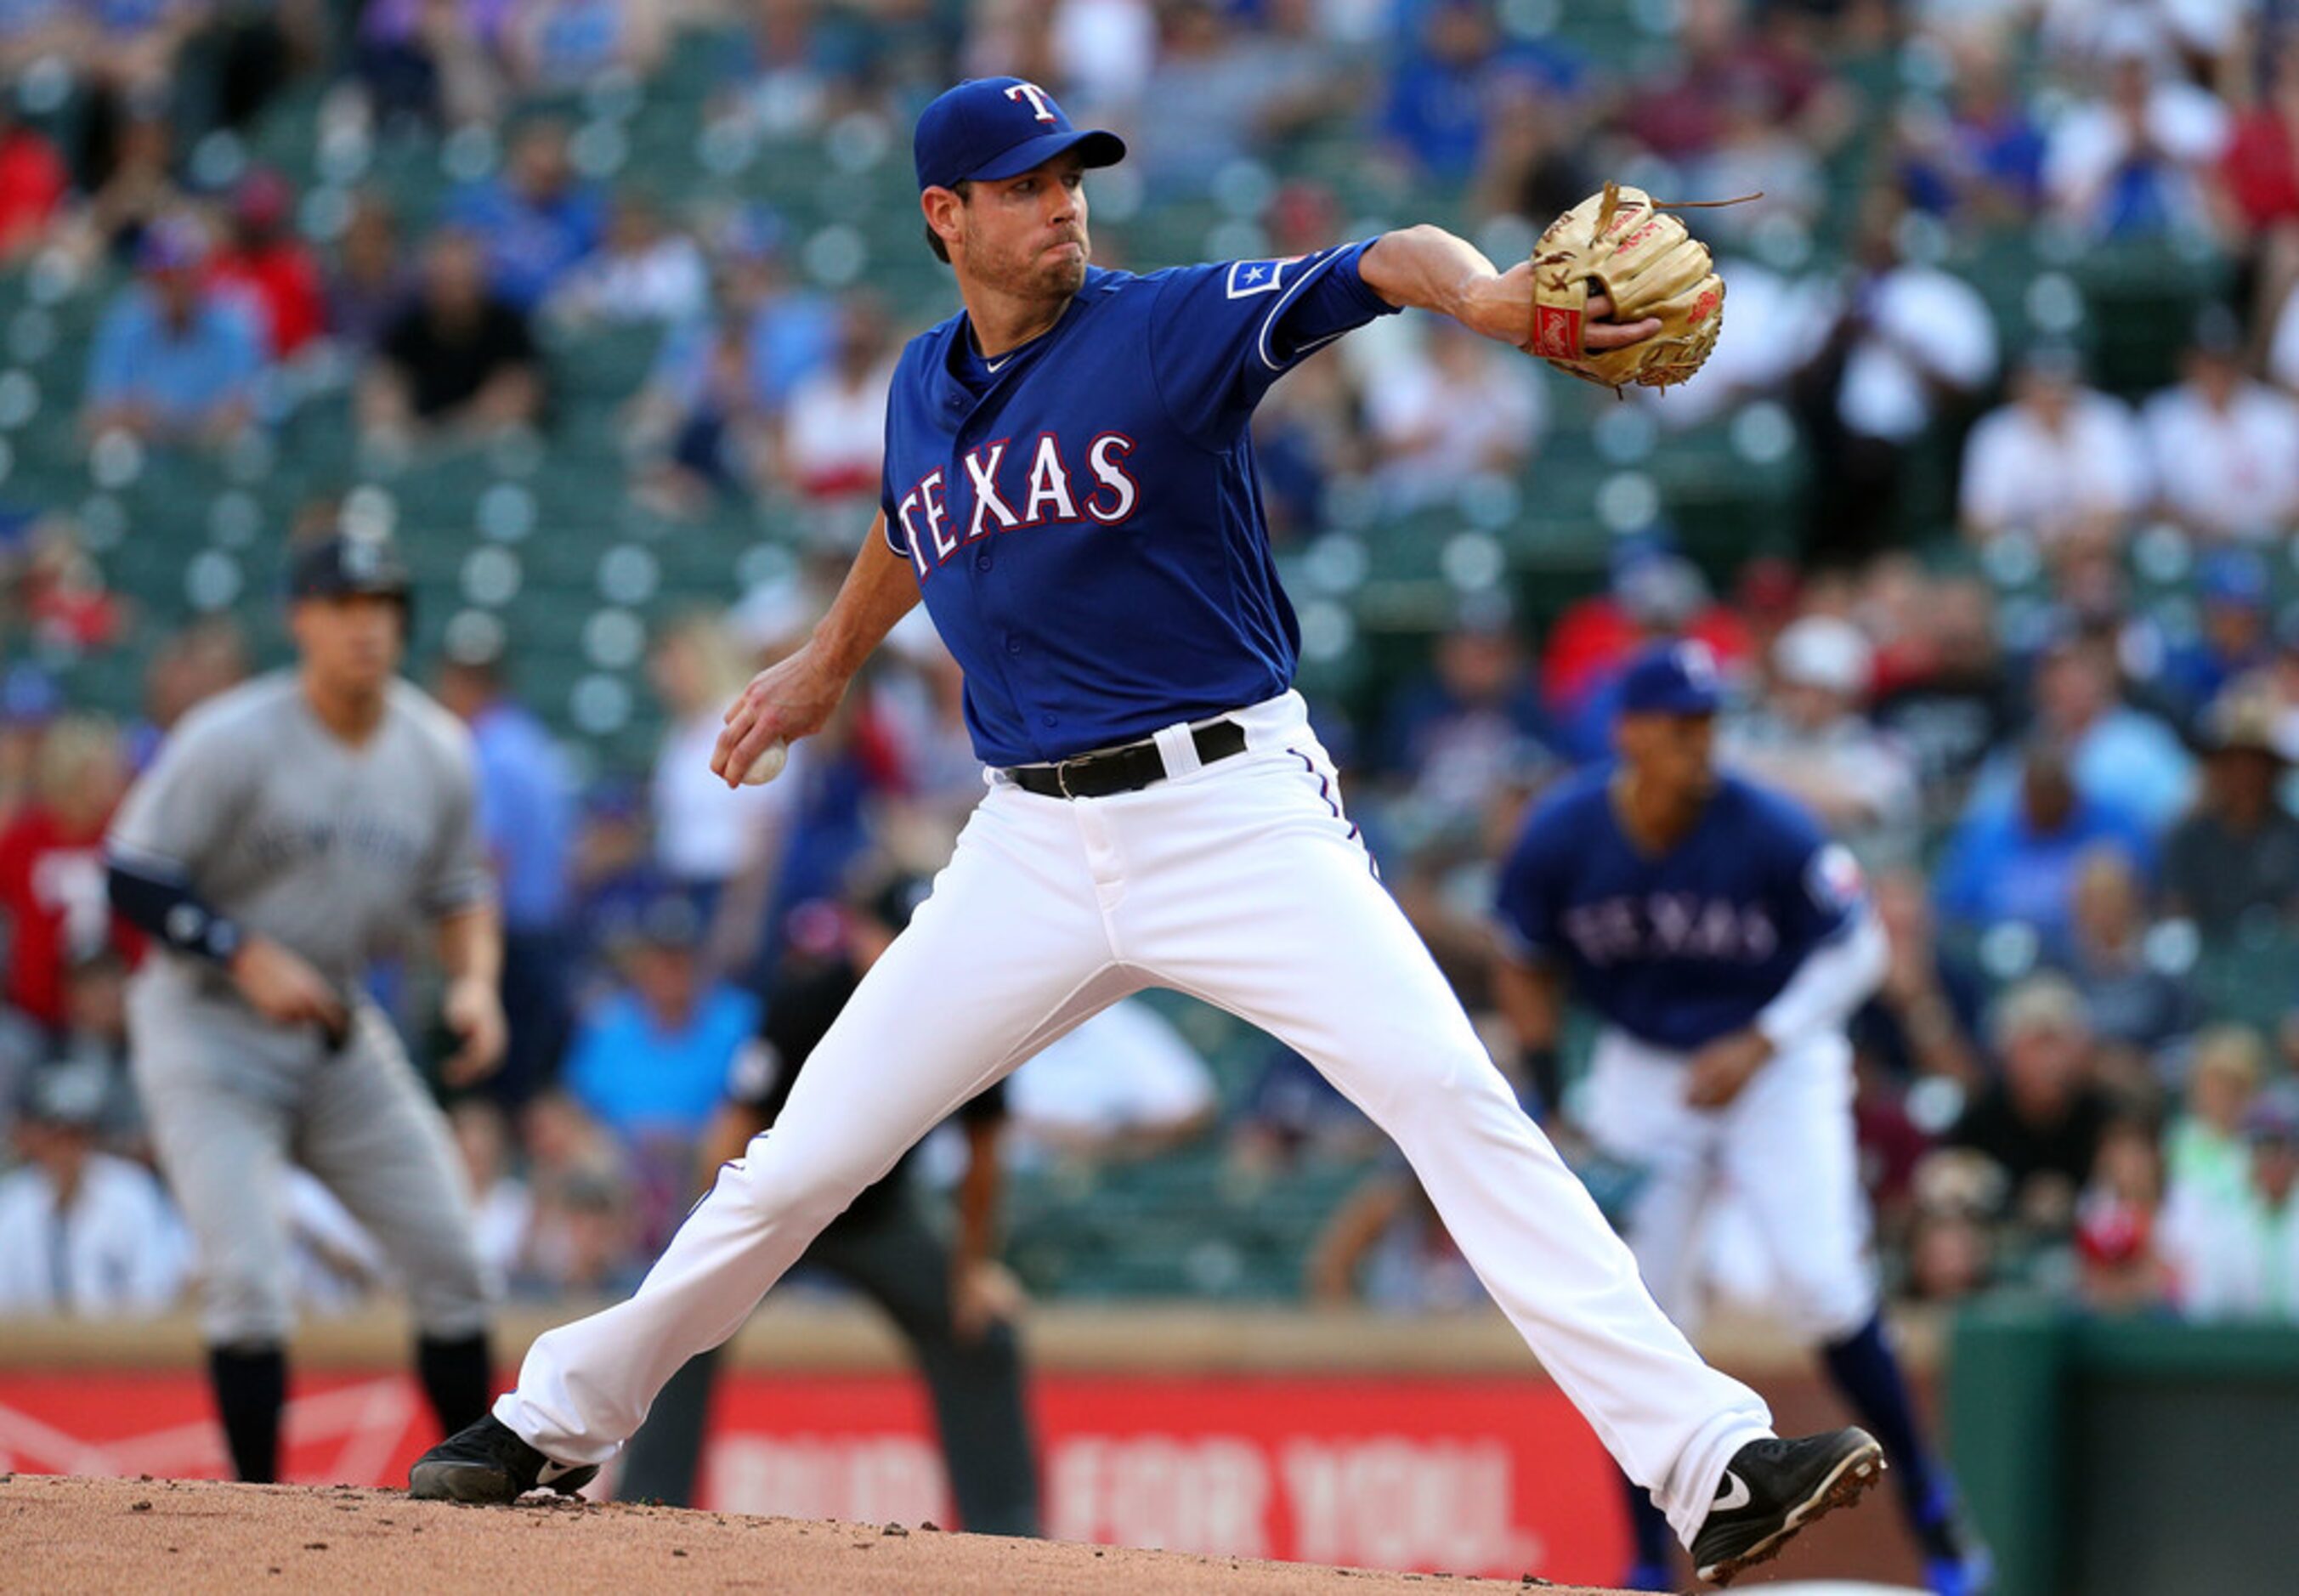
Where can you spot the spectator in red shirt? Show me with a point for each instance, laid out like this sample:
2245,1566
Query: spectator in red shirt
51,871
1730,59
2261,167
271,265
33,182
2259,182
1655,592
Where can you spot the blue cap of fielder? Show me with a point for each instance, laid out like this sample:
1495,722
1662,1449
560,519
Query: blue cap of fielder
993,128
1671,678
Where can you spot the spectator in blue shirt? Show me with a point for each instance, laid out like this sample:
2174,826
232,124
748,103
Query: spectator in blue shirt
2234,636
535,223
703,419
1981,157
650,1060
175,360
526,817
2019,863
1452,80
2121,756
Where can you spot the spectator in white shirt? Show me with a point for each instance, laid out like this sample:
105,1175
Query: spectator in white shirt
2136,162
2226,448
1808,740
834,432
1124,1085
704,834
1457,408
2060,461
2234,1251
1905,346
2198,32
644,272
1105,50
82,1234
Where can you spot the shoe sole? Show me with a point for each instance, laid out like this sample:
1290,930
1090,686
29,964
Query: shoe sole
460,1481
477,1483
1846,1483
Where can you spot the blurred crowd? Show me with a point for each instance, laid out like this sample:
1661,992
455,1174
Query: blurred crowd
2056,723
2080,125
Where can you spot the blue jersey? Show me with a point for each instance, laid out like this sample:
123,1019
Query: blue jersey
1084,517
1679,948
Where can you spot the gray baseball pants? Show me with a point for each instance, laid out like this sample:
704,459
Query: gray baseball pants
232,1098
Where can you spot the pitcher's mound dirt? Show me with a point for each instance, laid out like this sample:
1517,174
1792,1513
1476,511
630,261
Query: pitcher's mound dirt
66,1534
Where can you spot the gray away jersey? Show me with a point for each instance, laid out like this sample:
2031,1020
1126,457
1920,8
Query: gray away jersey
343,854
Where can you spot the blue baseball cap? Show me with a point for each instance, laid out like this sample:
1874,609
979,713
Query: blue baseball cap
993,128
1671,678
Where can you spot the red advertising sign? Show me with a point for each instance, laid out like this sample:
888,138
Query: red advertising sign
1474,1476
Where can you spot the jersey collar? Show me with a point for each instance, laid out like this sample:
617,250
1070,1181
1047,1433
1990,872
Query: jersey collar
958,357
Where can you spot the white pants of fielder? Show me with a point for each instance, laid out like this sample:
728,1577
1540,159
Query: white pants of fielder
1241,883
1762,1195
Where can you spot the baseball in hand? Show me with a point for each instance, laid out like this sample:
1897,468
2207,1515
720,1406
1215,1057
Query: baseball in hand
768,765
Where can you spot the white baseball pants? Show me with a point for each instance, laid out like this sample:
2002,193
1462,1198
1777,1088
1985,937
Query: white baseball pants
1779,1161
1242,882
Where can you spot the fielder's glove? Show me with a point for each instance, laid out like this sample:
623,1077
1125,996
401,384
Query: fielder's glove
1645,261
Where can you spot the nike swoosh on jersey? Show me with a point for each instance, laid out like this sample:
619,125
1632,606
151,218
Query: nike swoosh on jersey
1733,1494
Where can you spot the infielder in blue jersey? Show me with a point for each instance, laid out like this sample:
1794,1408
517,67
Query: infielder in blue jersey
1724,941
1070,486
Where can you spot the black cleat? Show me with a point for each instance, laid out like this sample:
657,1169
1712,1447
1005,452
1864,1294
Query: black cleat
488,1462
1773,1488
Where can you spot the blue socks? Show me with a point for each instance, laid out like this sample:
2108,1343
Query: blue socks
1868,1376
1656,1542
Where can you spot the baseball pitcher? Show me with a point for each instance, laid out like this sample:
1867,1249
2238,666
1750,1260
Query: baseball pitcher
290,831
1069,487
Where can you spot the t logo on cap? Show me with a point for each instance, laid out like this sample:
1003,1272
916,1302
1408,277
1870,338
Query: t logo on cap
1040,100
992,128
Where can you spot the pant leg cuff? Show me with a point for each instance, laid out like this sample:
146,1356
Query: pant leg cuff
1700,1470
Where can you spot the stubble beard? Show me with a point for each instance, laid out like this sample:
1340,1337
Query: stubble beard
1028,278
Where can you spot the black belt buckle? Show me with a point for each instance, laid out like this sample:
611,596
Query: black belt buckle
1150,768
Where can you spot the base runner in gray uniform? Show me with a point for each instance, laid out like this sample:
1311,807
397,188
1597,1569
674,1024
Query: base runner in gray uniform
290,831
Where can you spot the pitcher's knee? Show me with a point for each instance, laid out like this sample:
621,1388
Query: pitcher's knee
801,1184
1447,1092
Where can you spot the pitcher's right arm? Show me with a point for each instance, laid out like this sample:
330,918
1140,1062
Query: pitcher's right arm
792,698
